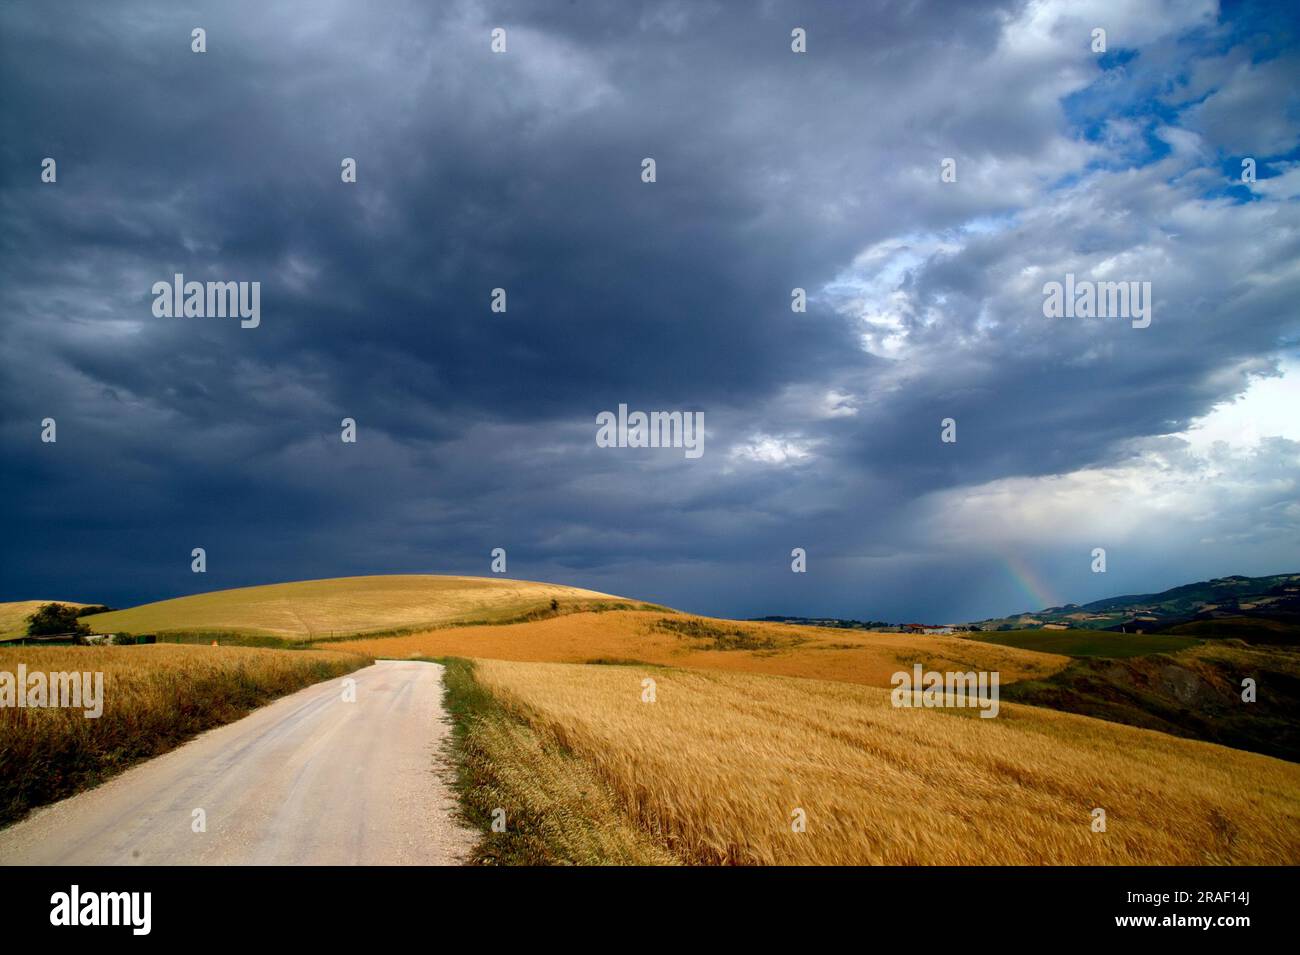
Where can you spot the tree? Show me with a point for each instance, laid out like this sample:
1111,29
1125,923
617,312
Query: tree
53,619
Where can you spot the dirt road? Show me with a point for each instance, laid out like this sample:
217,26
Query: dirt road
310,779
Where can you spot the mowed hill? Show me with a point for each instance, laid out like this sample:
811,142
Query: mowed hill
319,609
14,614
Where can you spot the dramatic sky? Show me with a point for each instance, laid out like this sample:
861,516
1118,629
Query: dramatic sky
1175,447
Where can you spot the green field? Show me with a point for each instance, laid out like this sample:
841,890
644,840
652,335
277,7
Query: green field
323,609
1250,629
1086,643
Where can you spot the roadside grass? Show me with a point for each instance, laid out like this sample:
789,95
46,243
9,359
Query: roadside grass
155,698
557,811
713,771
1086,643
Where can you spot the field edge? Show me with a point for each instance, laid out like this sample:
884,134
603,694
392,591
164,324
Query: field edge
58,759
548,805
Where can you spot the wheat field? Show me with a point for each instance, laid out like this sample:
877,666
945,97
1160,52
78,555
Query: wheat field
716,767
154,698
317,609
852,656
14,614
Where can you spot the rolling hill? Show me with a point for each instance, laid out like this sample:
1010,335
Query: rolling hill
14,614
1175,661
311,610
1272,600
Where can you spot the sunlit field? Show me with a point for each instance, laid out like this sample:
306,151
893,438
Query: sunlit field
14,614
716,768
852,656
317,609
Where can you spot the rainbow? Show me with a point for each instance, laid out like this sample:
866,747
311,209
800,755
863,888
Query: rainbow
1028,580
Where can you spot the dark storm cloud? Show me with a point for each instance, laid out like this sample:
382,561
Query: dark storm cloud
521,171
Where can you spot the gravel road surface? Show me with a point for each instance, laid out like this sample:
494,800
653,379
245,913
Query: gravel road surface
307,780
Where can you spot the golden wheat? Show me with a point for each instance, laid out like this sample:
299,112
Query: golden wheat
314,609
559,809
851,656
717,767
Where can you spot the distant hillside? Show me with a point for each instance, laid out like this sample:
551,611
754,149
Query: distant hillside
1194,693
1174,661
834,623
1258,609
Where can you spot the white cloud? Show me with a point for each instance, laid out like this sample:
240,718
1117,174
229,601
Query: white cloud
1270,408
774,450
1232,476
